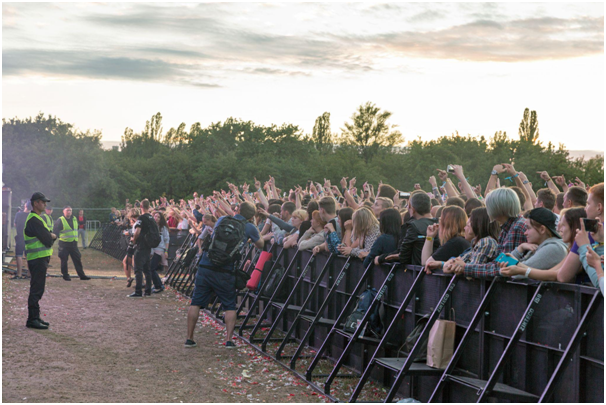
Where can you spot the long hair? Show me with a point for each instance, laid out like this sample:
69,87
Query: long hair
453,221
482,226
363,221
573,217
163,223
390,222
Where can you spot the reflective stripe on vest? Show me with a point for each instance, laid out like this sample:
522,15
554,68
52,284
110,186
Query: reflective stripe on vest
68,234
34,249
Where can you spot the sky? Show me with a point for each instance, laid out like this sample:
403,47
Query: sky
438,67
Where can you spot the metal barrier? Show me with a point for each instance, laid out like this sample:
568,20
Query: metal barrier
515,340
93,225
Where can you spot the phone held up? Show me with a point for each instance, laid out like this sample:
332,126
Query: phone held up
591,225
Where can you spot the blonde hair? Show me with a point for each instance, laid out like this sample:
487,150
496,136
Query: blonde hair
301,214
452,223
363,221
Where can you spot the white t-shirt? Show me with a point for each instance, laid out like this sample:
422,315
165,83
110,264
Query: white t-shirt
183,224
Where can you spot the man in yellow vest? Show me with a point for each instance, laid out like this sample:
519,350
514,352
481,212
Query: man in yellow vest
38,248
67,229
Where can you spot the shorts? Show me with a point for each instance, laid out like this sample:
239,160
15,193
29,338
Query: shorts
221,283
19,247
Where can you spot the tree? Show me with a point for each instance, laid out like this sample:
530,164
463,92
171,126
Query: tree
321,136
529,127
370,131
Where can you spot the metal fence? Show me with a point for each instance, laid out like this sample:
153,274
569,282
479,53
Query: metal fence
112,240
515,341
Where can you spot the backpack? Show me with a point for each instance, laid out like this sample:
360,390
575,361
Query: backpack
272,284
189,255
374,325
152,238
227,241
412,338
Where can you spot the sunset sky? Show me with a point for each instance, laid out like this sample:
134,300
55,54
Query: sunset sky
439,68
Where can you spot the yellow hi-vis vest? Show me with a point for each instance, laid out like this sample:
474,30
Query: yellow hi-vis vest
34,249
49,220
68,234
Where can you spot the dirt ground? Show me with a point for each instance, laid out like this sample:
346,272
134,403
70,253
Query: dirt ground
104,347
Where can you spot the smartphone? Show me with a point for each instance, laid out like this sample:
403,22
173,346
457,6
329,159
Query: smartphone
402,195
591,225
503,258
450,169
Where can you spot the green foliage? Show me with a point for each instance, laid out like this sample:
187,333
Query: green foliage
370,131
321,135
45,154
529,127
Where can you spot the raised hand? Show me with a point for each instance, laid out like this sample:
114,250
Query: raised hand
432,230
442,174
544,175
458,171
579,183
344,182
509,168
257,183
352,183
432,181
560,180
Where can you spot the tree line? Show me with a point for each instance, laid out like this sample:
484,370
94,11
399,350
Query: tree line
43,153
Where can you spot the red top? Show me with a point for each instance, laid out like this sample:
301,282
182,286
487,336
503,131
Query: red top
81,223
172,222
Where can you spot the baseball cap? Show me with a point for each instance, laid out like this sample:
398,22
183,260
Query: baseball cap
546,218
39,196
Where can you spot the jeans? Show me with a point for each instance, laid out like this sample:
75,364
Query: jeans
141,259
82,235
156,261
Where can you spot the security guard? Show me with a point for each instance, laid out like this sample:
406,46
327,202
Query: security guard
38,248
67,229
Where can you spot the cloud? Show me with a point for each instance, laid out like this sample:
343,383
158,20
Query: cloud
195,44
486,40
87,65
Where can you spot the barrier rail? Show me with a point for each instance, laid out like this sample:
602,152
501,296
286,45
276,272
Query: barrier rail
521,341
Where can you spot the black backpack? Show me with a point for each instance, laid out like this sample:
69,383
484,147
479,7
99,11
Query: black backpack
412,338
272,284
227,241
375,325
152,238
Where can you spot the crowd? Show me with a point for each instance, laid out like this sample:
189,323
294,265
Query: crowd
555,233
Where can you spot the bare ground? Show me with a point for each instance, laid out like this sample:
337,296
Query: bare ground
104,347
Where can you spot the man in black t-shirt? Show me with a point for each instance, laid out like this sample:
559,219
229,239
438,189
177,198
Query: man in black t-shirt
142,252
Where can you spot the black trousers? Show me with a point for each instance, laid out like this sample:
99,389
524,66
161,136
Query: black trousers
37,271
142,263
65,251
155,262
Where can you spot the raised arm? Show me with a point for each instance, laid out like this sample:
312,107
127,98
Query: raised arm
494,177
261,195
458,171
547,178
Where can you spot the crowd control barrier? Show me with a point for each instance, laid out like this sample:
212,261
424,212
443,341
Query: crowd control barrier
519,341
112,240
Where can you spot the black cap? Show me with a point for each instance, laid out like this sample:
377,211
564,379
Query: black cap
545,217
39,196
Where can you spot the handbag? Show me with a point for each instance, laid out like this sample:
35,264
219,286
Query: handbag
242,278
440,344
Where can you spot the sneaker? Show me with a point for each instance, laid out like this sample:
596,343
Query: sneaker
134,295
230,345
156,291
85,278
147,294
43,322
67,278
190,343
36,324
16,277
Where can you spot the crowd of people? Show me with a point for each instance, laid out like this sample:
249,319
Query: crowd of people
555,233
455,228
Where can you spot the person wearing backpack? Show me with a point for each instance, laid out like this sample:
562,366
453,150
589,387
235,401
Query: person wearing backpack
145,238
216,270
